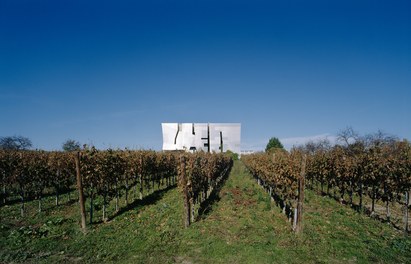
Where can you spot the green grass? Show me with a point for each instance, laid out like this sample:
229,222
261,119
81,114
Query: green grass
242,226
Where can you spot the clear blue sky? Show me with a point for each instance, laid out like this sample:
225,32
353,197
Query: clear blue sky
109,72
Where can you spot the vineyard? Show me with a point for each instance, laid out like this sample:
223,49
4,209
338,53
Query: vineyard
201,175
241,225
26,175
280,174
381,173
109,174
231,218
136,214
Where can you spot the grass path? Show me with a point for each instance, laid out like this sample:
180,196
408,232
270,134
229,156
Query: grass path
242,226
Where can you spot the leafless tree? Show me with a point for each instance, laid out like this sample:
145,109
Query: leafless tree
348,136
313,146
15,143
378,139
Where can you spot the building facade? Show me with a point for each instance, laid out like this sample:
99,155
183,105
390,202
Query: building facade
211,137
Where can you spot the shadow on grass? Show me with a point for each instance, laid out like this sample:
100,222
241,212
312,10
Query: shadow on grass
16,199
277,199
152,198
207,206
395,223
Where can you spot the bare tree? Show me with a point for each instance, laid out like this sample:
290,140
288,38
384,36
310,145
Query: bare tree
378,139
313,146
15,143
348,136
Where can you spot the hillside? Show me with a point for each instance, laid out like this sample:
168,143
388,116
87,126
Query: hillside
240,226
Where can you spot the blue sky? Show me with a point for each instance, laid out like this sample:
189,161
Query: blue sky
109,72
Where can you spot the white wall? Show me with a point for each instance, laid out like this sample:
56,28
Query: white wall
185,139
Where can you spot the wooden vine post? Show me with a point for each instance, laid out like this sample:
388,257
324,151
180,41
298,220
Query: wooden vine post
407,201
81,193
183,179
300,202
141,177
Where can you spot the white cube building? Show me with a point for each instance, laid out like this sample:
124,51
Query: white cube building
213,137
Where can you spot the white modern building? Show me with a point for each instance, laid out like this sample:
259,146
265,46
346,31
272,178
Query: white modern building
212,137
247,152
